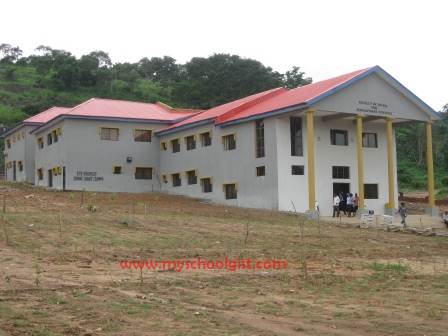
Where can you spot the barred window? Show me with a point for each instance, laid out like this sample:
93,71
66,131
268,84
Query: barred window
175,145
176,180
206,139
229,142
259,138
143,173
190,142
341,172
142,135
191,177
110,134
206,184
230,191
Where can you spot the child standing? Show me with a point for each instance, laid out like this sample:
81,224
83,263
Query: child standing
403,213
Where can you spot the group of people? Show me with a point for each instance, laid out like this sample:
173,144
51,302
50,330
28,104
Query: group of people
345,203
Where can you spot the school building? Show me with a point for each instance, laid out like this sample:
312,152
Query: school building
280,149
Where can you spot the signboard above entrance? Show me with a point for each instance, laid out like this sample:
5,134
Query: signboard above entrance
373,107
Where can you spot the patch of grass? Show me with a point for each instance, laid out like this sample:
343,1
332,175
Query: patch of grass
380,267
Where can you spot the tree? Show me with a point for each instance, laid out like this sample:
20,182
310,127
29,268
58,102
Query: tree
10,54
295,78
157,69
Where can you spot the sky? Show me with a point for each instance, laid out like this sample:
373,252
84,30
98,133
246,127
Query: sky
409,39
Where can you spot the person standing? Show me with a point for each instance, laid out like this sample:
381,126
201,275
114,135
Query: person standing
403,213
336,202
349,204
342,204
355,204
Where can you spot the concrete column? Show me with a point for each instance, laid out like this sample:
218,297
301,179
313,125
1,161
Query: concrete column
360,157
310,156
390,167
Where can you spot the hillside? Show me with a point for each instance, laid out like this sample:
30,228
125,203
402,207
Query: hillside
31,84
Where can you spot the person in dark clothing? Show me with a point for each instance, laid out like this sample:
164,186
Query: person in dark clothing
343,203
403,213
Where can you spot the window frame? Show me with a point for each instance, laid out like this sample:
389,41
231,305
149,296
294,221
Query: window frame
114,171
301,171
296,134
203,139
337,171
376,193
366,142
203,185
49,139
151,169
188,144
178,175
144,139
177,140
230,194
227,143
260,171
259,139
334,133
194,179
109,138
40,174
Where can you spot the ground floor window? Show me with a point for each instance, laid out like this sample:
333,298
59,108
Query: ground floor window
143,173
297,170
192,177
371,191
177,182
164,179
20,164
116,170
206,184
261,171
370,140
230,191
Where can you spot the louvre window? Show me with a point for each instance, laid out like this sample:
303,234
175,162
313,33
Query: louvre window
110,134
206,139
206,184
297,170
190,142
176,180
259,138
230,191
341,172
191,177
295,124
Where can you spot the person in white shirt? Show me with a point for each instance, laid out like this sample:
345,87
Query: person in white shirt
336,201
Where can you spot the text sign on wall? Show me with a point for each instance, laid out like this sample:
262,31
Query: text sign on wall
86,176
369,106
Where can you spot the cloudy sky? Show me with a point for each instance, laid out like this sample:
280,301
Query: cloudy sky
409,39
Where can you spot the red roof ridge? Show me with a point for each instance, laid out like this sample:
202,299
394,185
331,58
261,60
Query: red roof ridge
248,104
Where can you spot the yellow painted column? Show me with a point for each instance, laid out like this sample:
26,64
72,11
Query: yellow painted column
310,154
430,165
390,164
360,155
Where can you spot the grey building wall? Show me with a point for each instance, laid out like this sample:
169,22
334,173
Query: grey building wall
89,161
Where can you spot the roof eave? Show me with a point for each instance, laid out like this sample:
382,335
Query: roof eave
185,127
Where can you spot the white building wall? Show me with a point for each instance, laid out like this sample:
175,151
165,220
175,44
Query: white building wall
225,166
21,150
89,161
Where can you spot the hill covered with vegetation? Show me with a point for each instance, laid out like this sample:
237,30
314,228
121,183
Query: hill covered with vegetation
31,84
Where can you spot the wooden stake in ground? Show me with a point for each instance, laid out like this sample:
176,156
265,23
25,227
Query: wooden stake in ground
60,225
5,231
4,203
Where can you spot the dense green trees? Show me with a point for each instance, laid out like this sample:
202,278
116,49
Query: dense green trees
51,77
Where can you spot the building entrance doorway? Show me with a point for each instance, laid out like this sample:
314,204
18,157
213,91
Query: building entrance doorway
63,178
341,187
50,178
14,171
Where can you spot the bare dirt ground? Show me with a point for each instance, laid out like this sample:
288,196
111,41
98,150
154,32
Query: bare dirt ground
63,277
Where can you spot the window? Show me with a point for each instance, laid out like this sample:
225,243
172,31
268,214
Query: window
341,172
259,138
40,174
20,164
206,139
191,177
55,135
295,124
116,170
175,145
142,135
339,137
49,139
229,142
8,143
163,146
369,140
190,142
206,184
261,171
230,191
164,179
143,173
110,134
297,170
40,143
371,191
176,180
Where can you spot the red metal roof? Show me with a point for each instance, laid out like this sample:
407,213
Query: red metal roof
47,115
267,101
104,108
